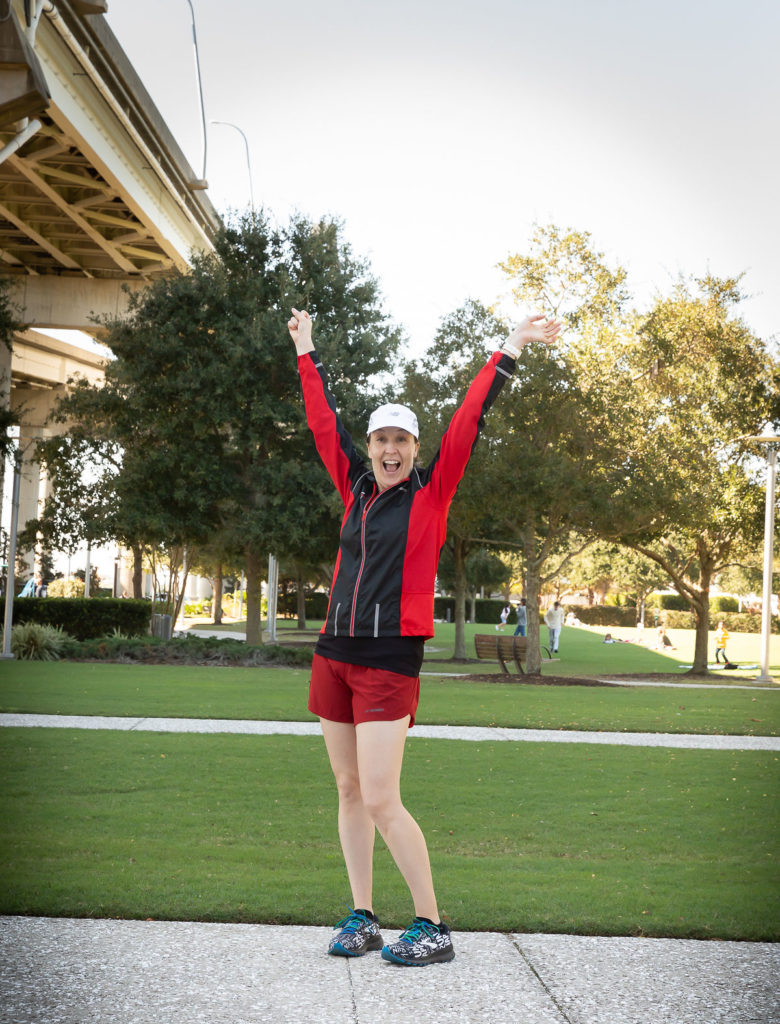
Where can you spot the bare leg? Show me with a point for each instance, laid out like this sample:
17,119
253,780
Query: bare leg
356,827
380,748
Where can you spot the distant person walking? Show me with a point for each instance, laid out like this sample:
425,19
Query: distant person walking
554,622
504,616
721,639
522,618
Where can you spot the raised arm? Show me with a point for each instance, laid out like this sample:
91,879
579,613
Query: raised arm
457,444
342,461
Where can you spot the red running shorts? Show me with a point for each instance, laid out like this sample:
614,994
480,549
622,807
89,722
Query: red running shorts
339,692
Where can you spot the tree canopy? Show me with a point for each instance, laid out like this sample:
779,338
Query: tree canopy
703,382
202,397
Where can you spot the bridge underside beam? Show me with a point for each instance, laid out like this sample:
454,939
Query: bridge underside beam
70,303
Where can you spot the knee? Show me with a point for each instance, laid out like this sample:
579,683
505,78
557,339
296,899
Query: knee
381,804
348,785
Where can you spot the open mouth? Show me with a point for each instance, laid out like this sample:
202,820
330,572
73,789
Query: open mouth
391,466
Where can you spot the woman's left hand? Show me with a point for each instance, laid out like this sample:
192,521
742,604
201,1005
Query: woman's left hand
532,329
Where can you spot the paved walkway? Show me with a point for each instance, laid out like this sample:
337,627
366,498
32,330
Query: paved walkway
63,971
440,732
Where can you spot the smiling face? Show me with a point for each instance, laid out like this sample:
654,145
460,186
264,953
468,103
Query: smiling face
392,452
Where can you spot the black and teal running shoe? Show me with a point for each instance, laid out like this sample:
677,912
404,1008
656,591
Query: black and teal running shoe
421,944
357,934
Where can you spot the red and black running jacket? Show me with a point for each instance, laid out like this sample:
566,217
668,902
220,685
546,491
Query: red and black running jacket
391,540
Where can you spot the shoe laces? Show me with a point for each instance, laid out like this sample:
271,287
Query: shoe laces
417,929
353,921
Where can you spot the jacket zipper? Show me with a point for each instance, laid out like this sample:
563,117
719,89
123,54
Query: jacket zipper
369,504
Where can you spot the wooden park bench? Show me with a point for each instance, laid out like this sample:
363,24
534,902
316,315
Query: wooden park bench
500,648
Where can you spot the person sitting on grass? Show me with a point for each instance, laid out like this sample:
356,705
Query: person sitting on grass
663,641
609,639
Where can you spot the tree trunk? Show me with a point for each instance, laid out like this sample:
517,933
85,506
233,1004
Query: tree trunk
254,575
217,597
473,601
138,571
701,611
179,603
301,602
533,588
459,561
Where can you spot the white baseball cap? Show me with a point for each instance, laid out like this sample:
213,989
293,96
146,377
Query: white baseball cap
394,416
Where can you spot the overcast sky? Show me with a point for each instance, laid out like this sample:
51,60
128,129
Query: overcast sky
441,131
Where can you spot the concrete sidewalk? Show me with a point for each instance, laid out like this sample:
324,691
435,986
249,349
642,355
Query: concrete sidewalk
62,971
475,734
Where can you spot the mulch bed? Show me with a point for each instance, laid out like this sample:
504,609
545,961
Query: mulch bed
499,677
653,677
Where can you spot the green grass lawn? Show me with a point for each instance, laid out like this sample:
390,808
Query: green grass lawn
533,837
582,651
69,688
523,837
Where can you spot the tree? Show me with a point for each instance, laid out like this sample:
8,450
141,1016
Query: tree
565,277
558,440
203,398
81,506
549,473
482,568
435,386
702,382
605,566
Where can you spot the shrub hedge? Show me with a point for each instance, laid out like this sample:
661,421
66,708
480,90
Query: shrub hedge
610,615
735,622
668,602
190,650
488,609
83,618
606,615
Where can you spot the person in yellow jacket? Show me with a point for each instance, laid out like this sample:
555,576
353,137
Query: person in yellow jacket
721,638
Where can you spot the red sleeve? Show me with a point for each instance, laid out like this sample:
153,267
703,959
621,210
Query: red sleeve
334,444
449,464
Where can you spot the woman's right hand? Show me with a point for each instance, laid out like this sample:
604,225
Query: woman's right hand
299,326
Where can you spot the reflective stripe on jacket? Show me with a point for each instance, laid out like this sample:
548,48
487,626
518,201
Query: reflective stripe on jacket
391,540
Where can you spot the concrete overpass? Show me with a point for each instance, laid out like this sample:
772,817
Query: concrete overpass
95,197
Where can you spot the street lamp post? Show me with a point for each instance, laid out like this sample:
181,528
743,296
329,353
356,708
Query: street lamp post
248,164
200,184
769,536
11,574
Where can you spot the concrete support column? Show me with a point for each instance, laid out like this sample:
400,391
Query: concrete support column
33,406
29,494
5,402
